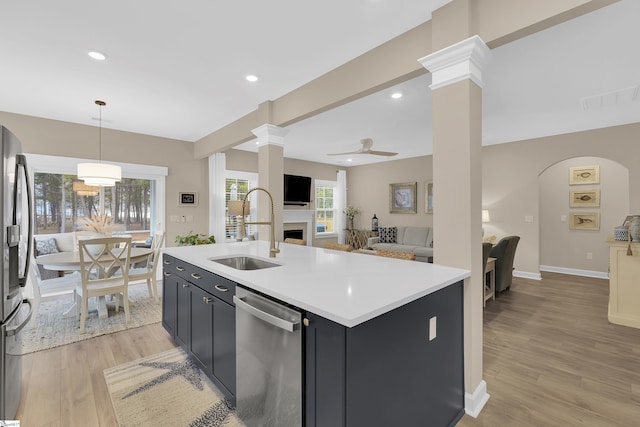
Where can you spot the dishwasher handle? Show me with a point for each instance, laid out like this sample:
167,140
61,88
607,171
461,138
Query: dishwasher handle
267,317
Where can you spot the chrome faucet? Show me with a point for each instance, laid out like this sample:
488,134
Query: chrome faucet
273,250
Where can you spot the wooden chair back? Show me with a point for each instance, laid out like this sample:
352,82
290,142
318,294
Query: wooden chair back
295,241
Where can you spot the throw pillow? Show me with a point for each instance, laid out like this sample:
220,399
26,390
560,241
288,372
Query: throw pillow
388,234
48,246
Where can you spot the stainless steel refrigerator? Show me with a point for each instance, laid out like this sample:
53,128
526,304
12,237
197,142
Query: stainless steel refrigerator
17,238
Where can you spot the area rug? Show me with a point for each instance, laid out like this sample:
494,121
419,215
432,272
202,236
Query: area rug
52,330
167,389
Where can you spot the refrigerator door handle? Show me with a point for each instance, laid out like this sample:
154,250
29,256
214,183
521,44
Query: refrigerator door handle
21,162
16,329
267,317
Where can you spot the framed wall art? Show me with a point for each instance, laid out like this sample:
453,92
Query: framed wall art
584,221
428,197
579,175
402,197
188,198
584,198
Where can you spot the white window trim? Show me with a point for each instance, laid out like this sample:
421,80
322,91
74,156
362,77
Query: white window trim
334,185
252,177
69,165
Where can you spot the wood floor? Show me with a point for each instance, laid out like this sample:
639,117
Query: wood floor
550,359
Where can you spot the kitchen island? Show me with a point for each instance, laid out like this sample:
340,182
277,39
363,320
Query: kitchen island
382,339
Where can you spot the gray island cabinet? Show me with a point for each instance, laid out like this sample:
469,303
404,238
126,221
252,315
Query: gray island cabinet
382,338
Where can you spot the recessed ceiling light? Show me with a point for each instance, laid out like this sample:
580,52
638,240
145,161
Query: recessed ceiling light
98,56
252,78
349,160
396,95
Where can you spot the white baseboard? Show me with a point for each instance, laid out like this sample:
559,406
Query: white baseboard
575,272
473,403
527,275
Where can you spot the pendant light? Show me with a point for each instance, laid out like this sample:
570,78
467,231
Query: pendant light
100,174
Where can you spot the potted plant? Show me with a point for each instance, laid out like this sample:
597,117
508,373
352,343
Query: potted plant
192,238
351,213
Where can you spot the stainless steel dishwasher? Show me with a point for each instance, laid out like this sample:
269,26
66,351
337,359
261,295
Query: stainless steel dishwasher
268,362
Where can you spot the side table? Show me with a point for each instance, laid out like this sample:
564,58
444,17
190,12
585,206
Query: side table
490,289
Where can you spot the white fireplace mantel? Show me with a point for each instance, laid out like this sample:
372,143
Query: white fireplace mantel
300,216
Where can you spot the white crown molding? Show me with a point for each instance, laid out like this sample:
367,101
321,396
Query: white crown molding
460,61
270,135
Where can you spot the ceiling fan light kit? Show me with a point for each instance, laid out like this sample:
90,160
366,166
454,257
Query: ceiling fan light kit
367,143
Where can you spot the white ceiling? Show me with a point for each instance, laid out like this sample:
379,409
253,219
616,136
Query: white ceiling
177,70
532,88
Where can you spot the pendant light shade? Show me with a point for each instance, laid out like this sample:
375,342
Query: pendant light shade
99,174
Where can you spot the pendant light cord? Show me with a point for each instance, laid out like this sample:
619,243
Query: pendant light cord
101,104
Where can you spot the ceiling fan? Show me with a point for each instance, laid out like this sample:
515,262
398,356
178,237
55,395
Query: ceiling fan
367,143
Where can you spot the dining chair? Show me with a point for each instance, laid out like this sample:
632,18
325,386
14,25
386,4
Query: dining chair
104,270
295,241
148,272
51,287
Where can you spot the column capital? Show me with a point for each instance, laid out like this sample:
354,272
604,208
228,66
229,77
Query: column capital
460,61
270,134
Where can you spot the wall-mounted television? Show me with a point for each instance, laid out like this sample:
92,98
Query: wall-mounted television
297,190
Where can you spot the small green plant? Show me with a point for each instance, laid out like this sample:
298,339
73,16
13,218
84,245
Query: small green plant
192,238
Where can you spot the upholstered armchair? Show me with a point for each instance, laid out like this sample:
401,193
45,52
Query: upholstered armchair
504,252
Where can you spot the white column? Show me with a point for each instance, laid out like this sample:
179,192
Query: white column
341,204
217,210
457,174
271,177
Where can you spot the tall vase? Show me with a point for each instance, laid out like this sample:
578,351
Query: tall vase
349,223
634,229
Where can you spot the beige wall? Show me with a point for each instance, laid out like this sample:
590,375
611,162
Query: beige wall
56,138
559,245
510,178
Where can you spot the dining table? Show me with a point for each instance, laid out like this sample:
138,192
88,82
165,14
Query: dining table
70,261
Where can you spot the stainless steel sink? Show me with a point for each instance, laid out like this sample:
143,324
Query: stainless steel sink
244,262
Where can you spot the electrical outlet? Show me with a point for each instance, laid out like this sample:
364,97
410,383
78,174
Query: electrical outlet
183,218
528,218
189,218
563,218
589,255
174,218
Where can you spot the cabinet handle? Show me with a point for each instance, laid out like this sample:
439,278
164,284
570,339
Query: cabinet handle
207,300
196,276
167,274
179,268
167,263
185,285
306,322
221,288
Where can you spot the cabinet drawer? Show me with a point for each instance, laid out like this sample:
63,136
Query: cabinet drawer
218,286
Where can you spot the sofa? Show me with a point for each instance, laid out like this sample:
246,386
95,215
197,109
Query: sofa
416,240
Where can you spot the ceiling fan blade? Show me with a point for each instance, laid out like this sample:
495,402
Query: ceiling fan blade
381,153
343,154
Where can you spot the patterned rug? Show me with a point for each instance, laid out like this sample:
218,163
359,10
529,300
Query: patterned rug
52,330
167,389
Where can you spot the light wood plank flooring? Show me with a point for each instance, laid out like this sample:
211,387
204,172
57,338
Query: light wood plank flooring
550,359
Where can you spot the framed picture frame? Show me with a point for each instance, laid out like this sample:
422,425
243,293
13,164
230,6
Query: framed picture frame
584,221
580,175
187,198
428,197
627,220
584,198
402,198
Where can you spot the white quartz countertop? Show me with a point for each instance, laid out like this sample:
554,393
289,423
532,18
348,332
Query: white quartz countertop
347,288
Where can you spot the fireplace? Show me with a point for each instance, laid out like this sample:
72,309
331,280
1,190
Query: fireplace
298,220
294,234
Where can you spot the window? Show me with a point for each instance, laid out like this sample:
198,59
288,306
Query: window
325,206
237,184
62,201
135,204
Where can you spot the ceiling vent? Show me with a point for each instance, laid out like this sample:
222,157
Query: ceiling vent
609,99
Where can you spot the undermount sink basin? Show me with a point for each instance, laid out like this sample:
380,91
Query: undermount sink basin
245,262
